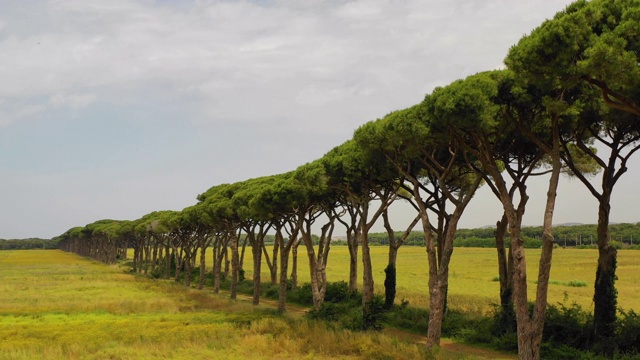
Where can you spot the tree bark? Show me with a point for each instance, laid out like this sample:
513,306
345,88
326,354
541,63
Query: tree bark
505,271
605,294
353,245
294,264
256,248
235,266
203,263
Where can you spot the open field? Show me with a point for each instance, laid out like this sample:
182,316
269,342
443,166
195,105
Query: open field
56,305
472,272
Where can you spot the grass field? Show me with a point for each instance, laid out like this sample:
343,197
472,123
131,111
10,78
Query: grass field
56,305
471,284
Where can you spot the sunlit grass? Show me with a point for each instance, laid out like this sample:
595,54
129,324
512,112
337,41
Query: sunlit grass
55,305
472,272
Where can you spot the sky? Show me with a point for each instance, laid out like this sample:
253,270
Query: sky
114,109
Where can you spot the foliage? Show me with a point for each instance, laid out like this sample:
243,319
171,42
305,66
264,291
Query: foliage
623,235
389,286
627,332
25,244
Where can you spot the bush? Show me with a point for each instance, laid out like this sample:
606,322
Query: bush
563,352
344,307
628,332
467,327
329,311
372,319
408,318
302,295
339,292
568,325
615,244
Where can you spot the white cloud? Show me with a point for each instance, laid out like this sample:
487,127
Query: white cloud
74,101
11,112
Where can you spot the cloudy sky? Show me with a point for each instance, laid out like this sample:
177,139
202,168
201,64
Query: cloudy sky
114,109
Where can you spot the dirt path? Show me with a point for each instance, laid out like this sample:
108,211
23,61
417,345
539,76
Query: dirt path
451,346
448,345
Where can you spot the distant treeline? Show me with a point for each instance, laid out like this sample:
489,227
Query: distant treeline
622,235
26,244
565,235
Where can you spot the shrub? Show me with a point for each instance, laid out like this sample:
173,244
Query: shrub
563,352
568,325
339,292
302,295
467,327
628,332
409,318
577,283
372,319
615,244
329,311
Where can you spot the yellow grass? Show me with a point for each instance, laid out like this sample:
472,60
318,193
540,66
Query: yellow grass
55,305
472,272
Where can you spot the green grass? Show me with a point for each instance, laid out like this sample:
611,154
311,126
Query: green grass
55,305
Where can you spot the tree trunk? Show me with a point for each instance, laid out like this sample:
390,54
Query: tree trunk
352,244
605,295
316,285
241,260
178,261
294,264
530,326
217,269
235,266
367,282
187,268
505,269
203,263
437,285
147,256
390,278
256,248
167,261
154,258
282,294
136,250
226,261
274,262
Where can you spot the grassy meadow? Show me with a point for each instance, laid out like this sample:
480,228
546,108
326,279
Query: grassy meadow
56,305
473,274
